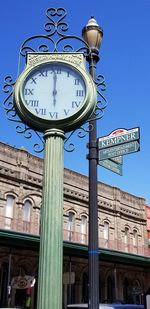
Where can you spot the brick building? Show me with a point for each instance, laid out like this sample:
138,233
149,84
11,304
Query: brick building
123,242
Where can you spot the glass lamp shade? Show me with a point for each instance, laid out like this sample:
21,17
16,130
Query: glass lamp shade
92,34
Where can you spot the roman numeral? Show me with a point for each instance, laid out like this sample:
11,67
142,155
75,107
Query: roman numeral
33,80
28,91
75,104
79,93
33,103
77,81
58,71
41,111
66,111
43,73
53,115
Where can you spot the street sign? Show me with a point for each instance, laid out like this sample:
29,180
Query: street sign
112,166
118,150
117,159
112,147
119,136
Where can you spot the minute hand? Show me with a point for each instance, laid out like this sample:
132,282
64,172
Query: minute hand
54,88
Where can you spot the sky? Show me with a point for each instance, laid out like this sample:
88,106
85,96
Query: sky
124,62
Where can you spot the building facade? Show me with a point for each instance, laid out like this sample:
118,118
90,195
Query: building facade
124,270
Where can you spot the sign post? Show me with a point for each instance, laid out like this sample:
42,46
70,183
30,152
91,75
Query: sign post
112,147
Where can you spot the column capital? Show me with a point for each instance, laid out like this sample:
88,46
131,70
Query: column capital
54,133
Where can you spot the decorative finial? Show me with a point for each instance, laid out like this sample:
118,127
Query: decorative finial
92,22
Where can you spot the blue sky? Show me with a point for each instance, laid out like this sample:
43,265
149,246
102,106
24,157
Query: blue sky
124,61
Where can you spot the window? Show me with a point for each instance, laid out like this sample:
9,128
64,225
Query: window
26,216
135,238
106,230
8,211
71,217
9,206
27,211
126,239
106,233
83,229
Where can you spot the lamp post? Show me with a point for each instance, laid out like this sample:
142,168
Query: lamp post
92,35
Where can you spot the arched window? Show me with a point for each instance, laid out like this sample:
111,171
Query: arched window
71,222
8,211
26,215
83,229
135,238
27,211
106,233
126,239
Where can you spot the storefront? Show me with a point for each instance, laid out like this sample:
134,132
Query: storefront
123,276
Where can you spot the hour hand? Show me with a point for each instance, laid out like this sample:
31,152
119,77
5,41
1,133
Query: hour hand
54,88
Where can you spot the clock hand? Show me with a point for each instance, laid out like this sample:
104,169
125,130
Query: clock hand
54,88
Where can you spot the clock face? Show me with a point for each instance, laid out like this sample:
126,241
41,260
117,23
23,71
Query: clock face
54,91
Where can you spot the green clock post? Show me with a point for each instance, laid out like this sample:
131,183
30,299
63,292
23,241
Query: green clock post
51,248
54,94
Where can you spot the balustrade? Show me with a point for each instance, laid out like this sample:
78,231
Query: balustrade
74,237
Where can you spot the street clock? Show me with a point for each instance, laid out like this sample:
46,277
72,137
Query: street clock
55,91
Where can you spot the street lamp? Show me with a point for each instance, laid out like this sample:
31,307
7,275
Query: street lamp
92,35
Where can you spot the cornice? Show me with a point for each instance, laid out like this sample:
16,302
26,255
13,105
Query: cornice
19,176
72,194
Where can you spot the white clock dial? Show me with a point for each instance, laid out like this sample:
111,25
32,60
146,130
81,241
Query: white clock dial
54,91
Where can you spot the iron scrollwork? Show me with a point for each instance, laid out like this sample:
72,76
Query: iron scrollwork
11,114
55,40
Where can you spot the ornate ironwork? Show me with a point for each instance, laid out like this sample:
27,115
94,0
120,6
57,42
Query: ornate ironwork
81,133
55,40
101,100
11,114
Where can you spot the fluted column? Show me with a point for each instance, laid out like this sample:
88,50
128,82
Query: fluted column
51,240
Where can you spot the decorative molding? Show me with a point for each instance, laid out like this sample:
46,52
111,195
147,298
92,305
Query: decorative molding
73,58
17,175
70,193
129,198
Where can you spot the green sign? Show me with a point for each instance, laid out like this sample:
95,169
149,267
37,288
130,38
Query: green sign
117,159
118,150
112,166
118,137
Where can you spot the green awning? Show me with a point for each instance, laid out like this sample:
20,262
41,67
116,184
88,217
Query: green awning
28,241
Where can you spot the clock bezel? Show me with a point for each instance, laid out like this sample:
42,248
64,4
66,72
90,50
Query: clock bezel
69,122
